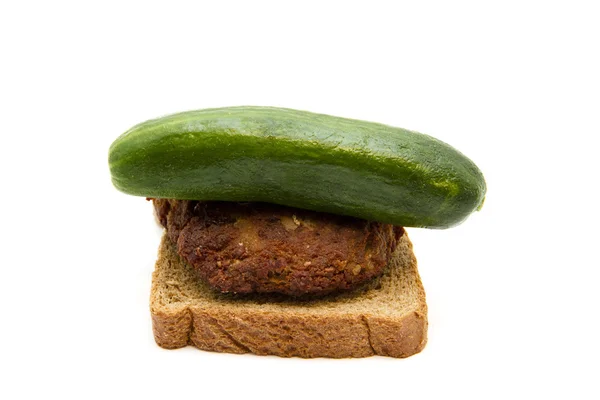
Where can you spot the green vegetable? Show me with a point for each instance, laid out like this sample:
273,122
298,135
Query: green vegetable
299,159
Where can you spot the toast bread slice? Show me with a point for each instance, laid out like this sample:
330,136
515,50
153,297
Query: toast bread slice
387,316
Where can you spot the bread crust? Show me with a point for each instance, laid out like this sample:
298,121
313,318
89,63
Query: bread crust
341,327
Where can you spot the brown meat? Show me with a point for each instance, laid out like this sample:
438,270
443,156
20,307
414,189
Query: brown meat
266,248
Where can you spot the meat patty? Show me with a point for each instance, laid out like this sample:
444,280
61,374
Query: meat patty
263,248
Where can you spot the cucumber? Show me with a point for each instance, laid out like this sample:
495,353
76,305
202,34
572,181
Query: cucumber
299,159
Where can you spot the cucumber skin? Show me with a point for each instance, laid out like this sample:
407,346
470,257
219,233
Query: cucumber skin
299,159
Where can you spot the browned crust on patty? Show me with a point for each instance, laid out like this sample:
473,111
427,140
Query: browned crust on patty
267,248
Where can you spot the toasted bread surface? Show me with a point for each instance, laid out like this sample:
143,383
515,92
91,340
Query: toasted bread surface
387,316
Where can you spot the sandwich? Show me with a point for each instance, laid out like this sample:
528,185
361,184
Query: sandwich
284,230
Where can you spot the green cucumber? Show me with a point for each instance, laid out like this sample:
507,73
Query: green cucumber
299,159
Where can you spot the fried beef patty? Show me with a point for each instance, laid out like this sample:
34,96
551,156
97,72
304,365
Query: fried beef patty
262,248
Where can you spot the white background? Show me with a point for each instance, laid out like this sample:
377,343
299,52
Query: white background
512,293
